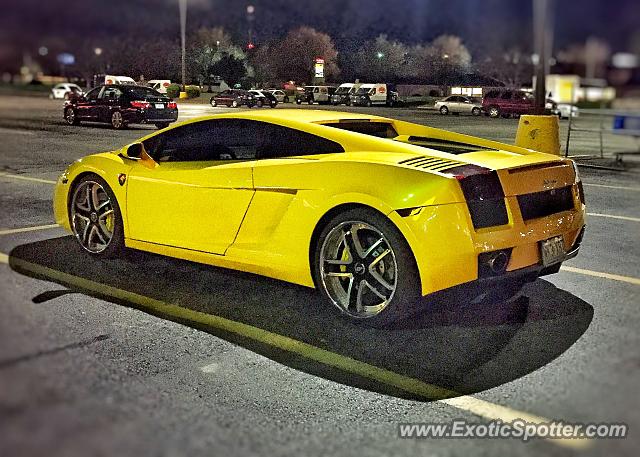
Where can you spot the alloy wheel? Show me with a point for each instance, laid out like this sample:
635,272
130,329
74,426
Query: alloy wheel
92,216
358,269
117,120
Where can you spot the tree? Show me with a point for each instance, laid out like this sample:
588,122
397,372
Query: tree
379,60
293,58
513,67
439,62
230,68
212,52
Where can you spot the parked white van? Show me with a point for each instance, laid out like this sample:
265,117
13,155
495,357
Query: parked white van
111,79
343,93
159,84
374,94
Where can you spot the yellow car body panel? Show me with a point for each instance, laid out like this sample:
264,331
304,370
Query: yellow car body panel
261,216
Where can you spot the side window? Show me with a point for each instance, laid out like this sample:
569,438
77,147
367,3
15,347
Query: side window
507,95
275,141
93,94
111,93
492,94
223,139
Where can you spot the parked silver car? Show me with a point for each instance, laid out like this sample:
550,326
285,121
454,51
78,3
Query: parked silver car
459,104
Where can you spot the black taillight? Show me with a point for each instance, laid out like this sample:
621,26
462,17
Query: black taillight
484,195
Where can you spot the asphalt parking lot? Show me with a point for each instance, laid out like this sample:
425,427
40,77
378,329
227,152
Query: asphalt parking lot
147,355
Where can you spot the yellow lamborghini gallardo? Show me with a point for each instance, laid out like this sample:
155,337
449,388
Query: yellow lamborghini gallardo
374,212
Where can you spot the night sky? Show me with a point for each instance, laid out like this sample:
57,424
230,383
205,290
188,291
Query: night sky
27,24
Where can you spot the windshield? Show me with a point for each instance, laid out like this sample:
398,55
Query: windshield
342,90
139,91
363,91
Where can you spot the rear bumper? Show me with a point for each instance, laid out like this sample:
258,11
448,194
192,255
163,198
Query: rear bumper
150,116
447,248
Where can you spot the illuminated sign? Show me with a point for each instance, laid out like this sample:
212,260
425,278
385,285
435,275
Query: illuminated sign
319,67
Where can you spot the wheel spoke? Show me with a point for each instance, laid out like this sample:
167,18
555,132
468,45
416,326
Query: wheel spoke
95,198
353,242
85,234
350,295
378,259
95,232
380,280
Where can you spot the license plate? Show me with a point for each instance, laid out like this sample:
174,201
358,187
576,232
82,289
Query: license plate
159,106
552,251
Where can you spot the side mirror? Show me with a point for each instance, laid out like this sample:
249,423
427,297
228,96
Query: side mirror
135,151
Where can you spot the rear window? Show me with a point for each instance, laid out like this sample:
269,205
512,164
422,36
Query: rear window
452,147
378,129
140,91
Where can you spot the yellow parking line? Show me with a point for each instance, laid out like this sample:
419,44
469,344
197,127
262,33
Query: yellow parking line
27,229
26,178
606,186
600,274
624,218
4,258
347,364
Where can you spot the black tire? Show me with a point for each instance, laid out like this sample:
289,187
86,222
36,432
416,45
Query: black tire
310,102
117,121
444,110
476,111
298,101
368,104
408,287
235,103
213,102
162,125
116,244
494,112
259,103
273,104
285,99
71,117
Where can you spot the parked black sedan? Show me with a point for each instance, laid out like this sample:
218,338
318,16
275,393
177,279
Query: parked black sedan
121,105
233,98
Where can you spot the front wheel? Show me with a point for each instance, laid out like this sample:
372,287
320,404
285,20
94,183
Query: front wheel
95,217
285,100
259,103
444,110
494,112
71,117
365,268
213,102
298,101
162,125
234,103
475,111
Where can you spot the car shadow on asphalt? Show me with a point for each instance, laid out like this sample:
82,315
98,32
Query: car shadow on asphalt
460,347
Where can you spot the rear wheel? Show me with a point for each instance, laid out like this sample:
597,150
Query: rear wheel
162,125
444,110
365,268
213,102
71,117
117,121
95,217
494,112
259,103
475,111
285,99
234,103
298,101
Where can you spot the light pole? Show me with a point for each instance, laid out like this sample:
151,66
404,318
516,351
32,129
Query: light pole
183,26
542,42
